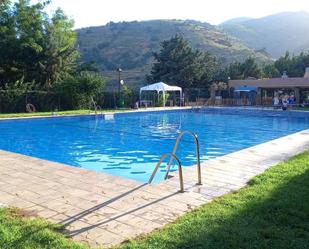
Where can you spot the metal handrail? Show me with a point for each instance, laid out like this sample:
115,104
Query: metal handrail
98,109
173,156
179,169
199,174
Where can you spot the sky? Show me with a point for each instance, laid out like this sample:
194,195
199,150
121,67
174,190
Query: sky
99,12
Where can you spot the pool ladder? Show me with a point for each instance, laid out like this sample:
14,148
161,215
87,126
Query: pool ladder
174,157
97,109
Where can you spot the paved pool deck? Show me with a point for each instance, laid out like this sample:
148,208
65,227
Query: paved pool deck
100,209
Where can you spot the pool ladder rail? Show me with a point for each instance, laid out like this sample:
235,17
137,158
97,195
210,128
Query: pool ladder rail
97,109
174,157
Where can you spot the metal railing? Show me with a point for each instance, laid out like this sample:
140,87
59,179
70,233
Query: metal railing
197,144
173,156
179,169
98,110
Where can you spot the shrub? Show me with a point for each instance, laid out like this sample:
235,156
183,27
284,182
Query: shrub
78,91
15,96
162,98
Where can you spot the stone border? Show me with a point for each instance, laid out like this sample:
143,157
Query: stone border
151,109
100,209
260,108
156,109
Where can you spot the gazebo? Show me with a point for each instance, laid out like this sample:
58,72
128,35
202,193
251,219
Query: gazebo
160,87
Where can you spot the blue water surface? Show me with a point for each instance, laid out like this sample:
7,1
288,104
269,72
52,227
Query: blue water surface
130,144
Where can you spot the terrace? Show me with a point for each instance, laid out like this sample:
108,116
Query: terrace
103,209
262,92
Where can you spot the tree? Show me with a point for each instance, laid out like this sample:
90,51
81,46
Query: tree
248,68
270,71
234,71
38,52
251,69
34,47
211,70
178,63
283,64
78,90
8,43
60,54
87,66
294,65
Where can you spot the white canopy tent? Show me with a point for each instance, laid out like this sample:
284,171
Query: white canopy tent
160,87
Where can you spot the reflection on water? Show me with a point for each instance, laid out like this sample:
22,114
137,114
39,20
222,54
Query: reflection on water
131,144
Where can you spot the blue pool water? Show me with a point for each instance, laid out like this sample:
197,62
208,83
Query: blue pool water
131,143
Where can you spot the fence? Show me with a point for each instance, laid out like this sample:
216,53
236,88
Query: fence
14,101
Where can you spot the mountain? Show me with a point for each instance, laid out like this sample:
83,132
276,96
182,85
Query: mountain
130,45
236,20
275,34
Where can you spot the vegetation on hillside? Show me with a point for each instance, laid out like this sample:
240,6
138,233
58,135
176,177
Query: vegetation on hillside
130,45
276,34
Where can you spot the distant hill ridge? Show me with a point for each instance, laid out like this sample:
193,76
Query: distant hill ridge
287,31
130,45
237,20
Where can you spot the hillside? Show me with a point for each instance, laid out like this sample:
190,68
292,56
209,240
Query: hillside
130,45
276,33
236,20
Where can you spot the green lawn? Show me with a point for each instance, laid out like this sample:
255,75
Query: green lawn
72,112
19,232
271,212
305,109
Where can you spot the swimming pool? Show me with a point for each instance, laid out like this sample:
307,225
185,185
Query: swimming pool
130,144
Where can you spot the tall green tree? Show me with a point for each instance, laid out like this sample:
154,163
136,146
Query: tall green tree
248,68
60,52
178,63
294,65
35,47
270,71
8,42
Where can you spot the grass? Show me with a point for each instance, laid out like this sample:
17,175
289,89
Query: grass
271,212
71,112
305,109
20,232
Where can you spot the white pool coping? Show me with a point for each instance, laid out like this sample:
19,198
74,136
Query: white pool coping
152,109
